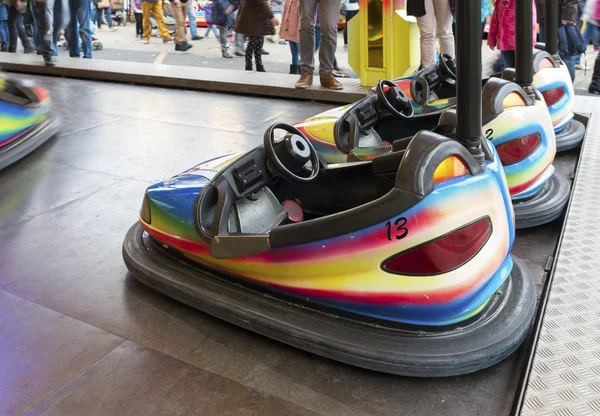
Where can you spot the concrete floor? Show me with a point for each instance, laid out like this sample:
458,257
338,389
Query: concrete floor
79,336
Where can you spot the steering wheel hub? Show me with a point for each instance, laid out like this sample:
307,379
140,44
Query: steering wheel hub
394,100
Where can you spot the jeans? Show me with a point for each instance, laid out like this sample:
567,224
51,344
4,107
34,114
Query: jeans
17,30
590,34
108,14
49,18
508,57
330,10
4,32
80,27
295,52
570,63
192,19
214,29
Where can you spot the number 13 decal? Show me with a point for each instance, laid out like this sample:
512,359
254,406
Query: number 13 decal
397,229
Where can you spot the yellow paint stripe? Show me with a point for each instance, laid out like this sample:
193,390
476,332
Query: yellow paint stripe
160,58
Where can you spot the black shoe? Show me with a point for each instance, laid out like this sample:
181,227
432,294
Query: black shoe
183,47
198,38
238,53
248,67
4,48
29,50
295,69
594,88
263,52
50,61
227,55
260,68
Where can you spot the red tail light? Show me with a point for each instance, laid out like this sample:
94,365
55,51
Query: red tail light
443,254
518,149
553,95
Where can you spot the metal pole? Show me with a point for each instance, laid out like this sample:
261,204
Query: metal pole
468,76
551,29
524,49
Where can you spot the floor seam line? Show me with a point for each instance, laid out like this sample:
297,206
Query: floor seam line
91,127
57,207
81,372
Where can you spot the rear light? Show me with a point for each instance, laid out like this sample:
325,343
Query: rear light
451,167
518,149
443,254
552,96
513,100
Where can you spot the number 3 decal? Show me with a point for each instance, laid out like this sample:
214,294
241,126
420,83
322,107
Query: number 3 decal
399,231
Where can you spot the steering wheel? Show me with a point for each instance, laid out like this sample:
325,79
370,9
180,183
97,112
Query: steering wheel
394,100
447,66
289,155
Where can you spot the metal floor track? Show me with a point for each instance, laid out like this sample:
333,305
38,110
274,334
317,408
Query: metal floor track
564,377
193,78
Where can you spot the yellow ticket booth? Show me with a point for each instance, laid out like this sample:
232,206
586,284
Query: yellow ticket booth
383,42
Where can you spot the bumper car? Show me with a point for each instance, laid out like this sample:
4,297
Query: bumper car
400,264
553,81
25,120
517,125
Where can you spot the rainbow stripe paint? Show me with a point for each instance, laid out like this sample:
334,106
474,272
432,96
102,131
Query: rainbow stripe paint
345,272
16,120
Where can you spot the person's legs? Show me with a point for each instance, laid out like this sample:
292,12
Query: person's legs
191,14
99,13
349,15
139,30
295,52
223,41
260,41
146,10
13,17
594,87
72,34
45,20
509,58
307,10
59,7
443,17
240,38
427,26
570,63
85,28
108,13
252,44
330,10
4,36
180,37
160,20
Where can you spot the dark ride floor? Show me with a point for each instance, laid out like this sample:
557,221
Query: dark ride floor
79,336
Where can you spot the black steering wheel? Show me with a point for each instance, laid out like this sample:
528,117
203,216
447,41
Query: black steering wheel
394,100
447,66
289,155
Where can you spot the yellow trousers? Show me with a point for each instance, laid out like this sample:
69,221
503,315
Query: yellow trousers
156,9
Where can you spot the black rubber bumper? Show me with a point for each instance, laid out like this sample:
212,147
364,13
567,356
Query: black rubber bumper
27,143
546,206
420,352
571,136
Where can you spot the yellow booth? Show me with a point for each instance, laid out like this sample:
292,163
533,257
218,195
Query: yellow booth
383,42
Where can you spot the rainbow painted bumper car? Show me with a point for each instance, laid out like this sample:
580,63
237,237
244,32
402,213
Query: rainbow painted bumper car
25,120
399,264
434,89
519,126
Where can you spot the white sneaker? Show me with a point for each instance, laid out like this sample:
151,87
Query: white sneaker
583,67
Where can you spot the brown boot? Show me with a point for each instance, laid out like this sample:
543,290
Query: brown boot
305,81
329,81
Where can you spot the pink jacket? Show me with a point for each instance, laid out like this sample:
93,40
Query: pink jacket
290,21
502,25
